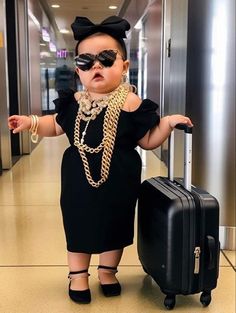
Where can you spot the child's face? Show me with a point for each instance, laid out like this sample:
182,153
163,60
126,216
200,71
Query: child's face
100,79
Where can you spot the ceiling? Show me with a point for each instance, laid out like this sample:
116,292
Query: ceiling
64,16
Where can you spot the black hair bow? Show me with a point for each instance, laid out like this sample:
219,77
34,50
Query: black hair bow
113,26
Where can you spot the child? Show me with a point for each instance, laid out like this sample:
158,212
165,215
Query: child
101,170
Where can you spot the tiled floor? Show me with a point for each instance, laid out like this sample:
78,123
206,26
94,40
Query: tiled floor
33,271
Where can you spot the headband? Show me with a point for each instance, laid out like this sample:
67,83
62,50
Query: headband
114,26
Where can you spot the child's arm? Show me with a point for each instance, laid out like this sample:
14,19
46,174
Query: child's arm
48,126
156,136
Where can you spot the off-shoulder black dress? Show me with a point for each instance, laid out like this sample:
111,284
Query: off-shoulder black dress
101,219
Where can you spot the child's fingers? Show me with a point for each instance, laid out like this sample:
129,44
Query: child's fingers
13,121
180,119
185,120
12,124
188,122
13,118
18,129
18,123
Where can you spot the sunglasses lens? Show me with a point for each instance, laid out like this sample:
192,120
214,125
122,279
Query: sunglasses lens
107,57
84,61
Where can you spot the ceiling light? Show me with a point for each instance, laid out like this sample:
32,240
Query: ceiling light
64,31
113,7
56,6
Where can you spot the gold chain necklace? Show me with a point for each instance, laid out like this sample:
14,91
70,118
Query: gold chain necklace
114,102
89,108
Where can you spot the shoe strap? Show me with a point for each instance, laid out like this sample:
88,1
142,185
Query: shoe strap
113,269
78,273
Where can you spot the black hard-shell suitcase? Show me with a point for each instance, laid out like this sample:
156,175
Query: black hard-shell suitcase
178,232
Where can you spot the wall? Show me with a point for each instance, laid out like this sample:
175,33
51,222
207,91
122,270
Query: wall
177,72
5,146
34,57
19,78
21,84
150,12
198,80
135,11
211,100
23,67
154,45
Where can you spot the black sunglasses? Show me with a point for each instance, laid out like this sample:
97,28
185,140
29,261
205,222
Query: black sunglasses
85,61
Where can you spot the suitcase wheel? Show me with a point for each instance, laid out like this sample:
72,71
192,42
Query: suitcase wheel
169,302
205,298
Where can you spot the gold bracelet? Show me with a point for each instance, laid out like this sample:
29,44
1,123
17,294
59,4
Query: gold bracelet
34,128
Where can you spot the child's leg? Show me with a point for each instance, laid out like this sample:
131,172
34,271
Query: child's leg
79,262
111,259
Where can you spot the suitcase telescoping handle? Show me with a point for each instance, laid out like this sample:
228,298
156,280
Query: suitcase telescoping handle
187,155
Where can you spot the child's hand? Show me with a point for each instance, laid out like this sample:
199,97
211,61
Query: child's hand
179,119
19,123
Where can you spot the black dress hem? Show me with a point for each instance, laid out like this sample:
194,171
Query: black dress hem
99,251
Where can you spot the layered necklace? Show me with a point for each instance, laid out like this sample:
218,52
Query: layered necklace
88,110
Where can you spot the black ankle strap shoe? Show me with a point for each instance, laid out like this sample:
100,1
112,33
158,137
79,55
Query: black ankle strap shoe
110,290
79,296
